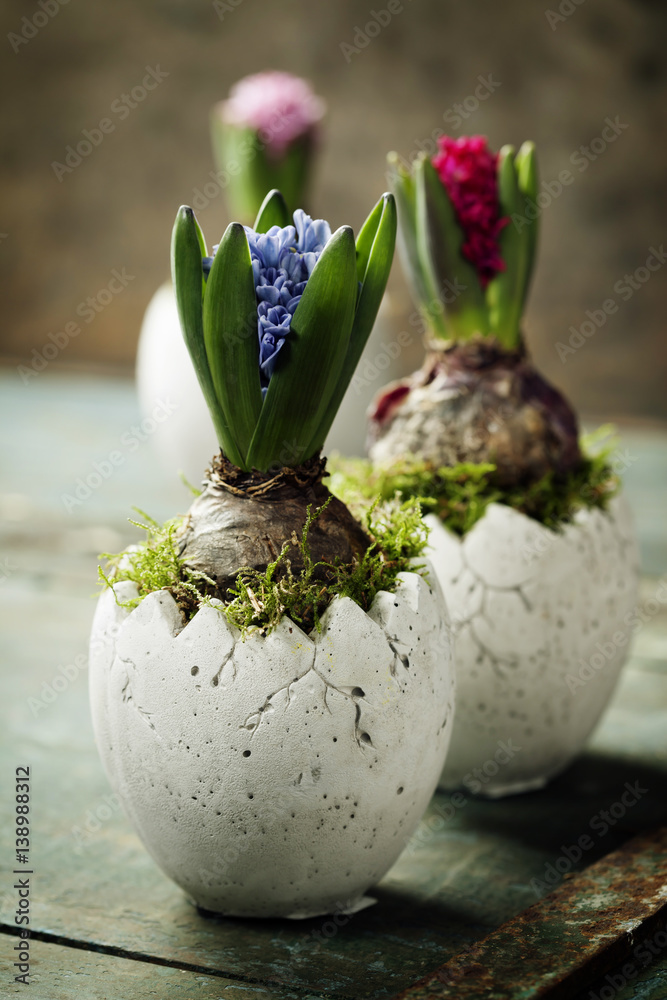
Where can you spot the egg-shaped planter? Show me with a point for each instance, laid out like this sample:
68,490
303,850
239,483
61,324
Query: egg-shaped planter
541,623
280,775
166,378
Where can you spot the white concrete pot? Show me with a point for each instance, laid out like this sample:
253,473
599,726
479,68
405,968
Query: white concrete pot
186,441
541,626
280,775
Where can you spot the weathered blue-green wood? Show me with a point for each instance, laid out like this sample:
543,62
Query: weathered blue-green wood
61,973
642,981
462,876
467,875
563,941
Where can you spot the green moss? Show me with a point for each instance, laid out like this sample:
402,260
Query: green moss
155,565
398,537
460,494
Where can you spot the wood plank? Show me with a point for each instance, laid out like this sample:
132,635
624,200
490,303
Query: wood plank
562,943
466,871
637,979
61,973
458,880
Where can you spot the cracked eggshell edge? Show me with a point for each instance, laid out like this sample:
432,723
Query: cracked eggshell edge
541,634
243,765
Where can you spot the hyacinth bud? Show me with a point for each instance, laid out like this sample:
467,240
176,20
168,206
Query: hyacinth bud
275,321
468,264
264,136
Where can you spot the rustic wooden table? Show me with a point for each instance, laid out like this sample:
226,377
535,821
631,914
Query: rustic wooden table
104,921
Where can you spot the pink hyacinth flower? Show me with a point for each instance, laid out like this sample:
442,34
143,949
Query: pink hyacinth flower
280,106
468,170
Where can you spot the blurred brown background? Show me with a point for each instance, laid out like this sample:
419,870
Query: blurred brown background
556,74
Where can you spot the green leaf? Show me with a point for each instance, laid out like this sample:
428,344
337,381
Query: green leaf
187,248
246,171
367,235
402,186
237,149
272,213
526,165
504,292
230,334
375,253
453,281
310,361
291,173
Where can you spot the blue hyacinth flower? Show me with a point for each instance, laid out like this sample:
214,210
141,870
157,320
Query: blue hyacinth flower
285,281
282,259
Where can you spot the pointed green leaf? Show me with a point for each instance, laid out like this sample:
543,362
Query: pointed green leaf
504,293
453,282
402,186
375,253
247,170
201,240
238,148
273,212
230,334
187,248
291,173
367,235
526,165
310,361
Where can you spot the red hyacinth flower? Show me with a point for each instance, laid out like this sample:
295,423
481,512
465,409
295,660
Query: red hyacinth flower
468,171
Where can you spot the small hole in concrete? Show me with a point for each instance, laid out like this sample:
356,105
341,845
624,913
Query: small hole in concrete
194,671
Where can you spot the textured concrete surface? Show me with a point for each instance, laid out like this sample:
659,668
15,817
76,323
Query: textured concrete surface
471,865
280,775
533,614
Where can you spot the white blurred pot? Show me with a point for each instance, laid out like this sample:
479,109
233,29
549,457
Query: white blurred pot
186,441
280,775
541,626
